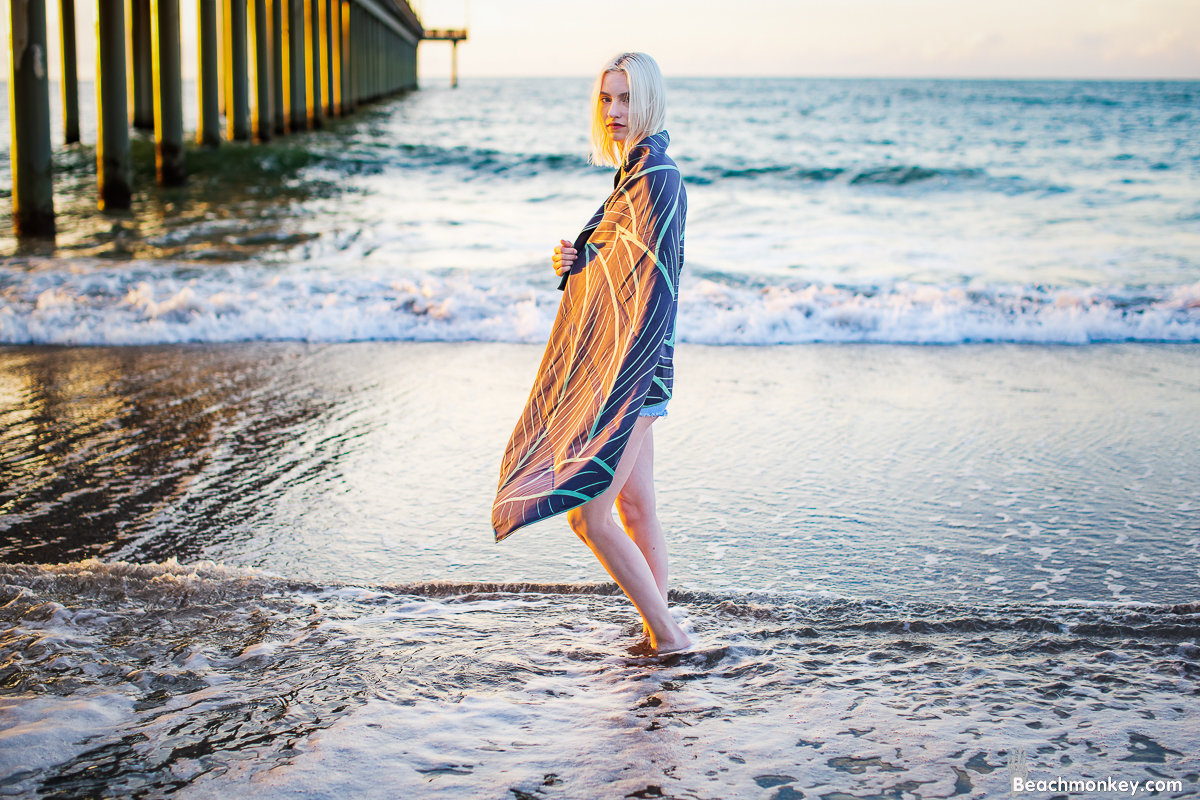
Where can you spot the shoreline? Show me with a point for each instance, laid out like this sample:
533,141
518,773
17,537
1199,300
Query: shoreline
100,580
169,681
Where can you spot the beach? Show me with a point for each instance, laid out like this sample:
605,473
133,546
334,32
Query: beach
288,690
1026,473
939,561
928,479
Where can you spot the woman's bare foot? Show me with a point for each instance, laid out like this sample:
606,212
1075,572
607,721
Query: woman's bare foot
678,641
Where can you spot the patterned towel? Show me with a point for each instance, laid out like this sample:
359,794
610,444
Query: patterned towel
610,349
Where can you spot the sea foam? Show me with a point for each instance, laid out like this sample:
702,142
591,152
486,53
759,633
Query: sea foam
105,305
277,687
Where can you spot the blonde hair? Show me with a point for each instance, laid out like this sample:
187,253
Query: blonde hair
647,107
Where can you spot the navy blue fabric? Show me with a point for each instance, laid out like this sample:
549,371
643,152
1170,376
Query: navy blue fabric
611,348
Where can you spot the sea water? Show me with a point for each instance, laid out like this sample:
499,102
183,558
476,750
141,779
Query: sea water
935,530
884,211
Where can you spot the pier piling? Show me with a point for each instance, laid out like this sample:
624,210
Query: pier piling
298,103
335,57
454,36
237,78
209,48
141,83
168,93
312,63
347,95
260,36
288,65
322,53
29,109
70,71
280,84
112,110
358,55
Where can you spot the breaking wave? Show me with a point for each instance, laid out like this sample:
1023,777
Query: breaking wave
231,305
115,306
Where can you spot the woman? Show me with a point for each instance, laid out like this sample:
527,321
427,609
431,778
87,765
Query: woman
583,442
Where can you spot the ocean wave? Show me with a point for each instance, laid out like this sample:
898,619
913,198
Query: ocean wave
107,305
717,313
164,583
366,157
472,163
39,589
193,680
892,175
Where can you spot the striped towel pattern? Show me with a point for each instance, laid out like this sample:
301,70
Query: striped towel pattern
610,350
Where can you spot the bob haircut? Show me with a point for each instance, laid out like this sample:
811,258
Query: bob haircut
647,107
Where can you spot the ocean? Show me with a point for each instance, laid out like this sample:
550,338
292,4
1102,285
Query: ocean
929,479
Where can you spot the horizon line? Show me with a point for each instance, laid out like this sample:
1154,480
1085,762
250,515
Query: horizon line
1153,79
980,78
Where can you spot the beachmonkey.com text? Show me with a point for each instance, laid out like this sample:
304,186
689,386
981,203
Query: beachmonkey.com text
1092,785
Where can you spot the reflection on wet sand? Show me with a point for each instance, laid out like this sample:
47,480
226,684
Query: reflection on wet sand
860,470
97,446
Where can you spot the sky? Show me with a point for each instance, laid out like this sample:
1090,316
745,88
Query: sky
819,38
860,38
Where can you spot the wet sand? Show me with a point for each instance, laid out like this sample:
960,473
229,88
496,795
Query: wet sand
1022,472
126,681
904,567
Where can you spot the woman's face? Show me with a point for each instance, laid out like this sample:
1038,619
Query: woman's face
614,103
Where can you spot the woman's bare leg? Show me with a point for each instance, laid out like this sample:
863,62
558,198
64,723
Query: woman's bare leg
620,555
639,515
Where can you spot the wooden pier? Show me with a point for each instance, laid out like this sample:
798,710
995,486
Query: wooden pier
454,36
288,66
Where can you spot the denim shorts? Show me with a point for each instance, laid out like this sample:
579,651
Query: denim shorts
659,410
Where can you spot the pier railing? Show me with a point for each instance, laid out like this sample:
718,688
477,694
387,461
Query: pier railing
288,66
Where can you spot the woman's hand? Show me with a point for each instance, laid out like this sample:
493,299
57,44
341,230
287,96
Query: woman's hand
564,257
